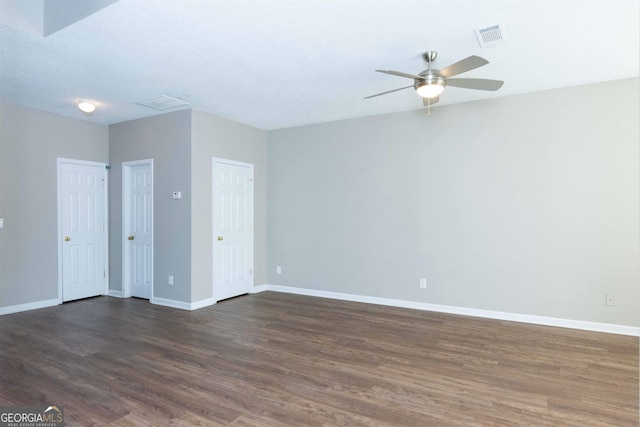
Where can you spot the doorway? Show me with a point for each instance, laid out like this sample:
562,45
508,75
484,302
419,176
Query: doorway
232,228
137,229
82,229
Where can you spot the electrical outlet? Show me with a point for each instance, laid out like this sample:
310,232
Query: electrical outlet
278,270
171,280
423,283
611,300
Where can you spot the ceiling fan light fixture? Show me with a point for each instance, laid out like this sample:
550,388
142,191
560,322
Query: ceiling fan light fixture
429,89
86,107
430,83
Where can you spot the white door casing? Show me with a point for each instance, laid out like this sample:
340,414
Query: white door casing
82,229
232,228
137,228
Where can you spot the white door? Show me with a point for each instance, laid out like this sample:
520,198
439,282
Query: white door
232,228
138,228
83,229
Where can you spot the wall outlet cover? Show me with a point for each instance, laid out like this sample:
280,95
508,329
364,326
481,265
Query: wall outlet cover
610,300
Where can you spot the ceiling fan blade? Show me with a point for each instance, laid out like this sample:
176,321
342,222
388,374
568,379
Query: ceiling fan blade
478,84
467,64
430,101
389,91
401,74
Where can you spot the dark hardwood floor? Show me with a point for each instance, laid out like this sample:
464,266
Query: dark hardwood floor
284,360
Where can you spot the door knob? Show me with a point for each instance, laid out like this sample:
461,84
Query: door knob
130,237
220,238
67,238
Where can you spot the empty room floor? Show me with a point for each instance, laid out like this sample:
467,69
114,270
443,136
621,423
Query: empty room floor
274,359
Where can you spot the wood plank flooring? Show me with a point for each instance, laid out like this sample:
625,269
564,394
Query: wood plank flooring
272,360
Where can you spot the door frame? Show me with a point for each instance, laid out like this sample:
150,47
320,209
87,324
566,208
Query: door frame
126,225
105,227
250,166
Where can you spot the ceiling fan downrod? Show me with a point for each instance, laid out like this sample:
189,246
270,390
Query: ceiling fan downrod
429,56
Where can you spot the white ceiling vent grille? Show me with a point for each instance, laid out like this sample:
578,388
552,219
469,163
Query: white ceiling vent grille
162,103
490,36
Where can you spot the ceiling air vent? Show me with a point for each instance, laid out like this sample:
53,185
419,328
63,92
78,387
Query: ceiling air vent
162,103
490,36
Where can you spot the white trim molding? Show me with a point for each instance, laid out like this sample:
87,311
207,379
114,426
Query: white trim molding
498,315
202,303
114,293
170,303
28,306
190,306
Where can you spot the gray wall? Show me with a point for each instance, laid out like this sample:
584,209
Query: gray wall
30,143
525,204
166,139
212,136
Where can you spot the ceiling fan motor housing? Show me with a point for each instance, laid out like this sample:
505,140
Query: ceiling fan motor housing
430,79
431,84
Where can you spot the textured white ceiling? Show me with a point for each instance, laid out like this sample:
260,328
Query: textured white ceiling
275,64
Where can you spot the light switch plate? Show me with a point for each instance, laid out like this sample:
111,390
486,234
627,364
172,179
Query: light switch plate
1,222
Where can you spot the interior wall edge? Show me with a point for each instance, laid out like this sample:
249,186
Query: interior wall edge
28,306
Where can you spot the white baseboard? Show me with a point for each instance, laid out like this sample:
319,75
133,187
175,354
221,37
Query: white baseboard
114,293
203,303
499,315
258,289
190,306
29,306
171,303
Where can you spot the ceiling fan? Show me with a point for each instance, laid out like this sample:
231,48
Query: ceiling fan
430,83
